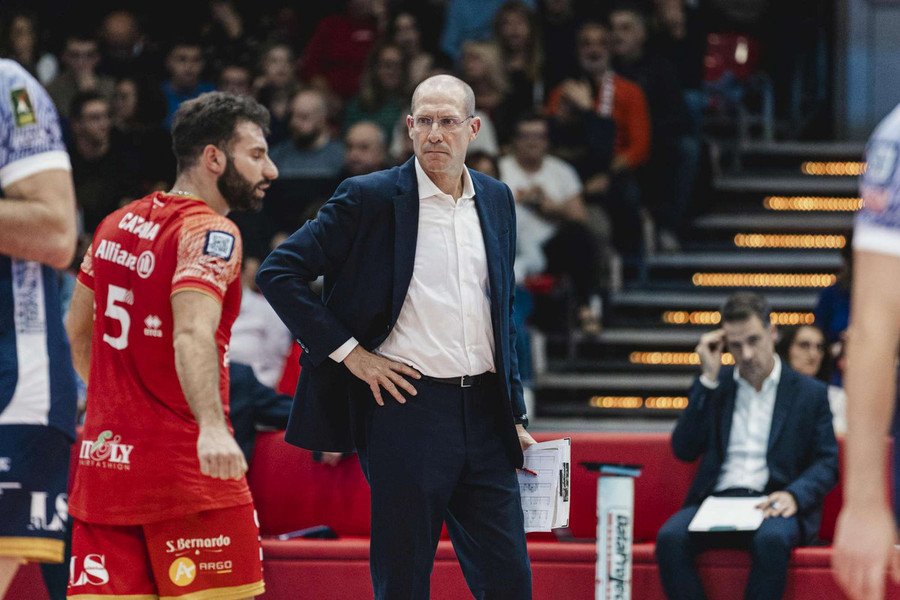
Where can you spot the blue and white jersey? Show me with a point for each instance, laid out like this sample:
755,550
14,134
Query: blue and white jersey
37,381
878,223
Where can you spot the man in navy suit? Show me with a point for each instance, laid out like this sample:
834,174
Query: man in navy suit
418,291
762,430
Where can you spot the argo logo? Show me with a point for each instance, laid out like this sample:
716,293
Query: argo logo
182,571
88,571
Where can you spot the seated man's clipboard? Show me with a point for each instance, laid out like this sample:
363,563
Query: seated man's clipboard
728,514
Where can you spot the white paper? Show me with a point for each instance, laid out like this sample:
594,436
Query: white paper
546,496
728,514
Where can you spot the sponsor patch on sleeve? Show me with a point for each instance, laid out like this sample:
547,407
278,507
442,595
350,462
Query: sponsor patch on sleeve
22,107
219,244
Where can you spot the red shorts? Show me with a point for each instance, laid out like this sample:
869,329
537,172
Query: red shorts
215,554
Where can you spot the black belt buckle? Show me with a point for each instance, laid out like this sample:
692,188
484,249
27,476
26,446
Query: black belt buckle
467,380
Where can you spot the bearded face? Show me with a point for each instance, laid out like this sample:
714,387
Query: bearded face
239,192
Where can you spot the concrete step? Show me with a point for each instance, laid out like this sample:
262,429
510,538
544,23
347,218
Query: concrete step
801,223
756,260
805,150
787,183
655,299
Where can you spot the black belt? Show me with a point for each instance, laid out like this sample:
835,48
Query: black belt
463,380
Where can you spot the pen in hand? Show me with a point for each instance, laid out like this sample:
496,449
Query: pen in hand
529,471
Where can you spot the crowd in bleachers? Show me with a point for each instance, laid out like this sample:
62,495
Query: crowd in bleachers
591,112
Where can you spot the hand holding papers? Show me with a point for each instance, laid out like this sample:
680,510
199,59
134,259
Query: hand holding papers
728,514
544,485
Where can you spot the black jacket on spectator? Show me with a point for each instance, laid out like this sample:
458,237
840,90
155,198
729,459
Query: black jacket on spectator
658,78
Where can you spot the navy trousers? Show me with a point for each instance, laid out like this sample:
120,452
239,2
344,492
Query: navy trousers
439,459
769,546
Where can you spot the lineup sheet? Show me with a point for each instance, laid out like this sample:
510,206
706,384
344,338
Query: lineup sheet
728,514
546,495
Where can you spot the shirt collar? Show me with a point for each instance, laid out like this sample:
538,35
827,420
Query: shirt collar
427,187
772,380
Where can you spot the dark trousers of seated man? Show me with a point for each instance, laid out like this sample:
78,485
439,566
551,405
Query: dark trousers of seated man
769,546
439,459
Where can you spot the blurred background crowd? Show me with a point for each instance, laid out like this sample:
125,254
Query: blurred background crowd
601,116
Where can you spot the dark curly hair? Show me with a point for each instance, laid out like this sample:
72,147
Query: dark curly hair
211,118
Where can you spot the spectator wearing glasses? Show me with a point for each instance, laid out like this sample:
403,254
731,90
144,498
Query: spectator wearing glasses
803,348
420,285
80,58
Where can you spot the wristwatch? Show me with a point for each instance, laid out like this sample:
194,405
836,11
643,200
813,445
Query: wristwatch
521,420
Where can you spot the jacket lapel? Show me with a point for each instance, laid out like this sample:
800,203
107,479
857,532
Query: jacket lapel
490,228
728,390
406,232
784,397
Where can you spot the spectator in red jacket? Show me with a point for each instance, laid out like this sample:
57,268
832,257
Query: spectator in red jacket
336,55
601,125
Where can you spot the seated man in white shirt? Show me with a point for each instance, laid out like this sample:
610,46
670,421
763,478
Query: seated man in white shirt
551,211
258,337
760,429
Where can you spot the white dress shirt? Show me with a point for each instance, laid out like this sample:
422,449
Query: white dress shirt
259,338
745,459
444,326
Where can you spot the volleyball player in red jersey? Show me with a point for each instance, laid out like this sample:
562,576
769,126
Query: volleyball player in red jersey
160,504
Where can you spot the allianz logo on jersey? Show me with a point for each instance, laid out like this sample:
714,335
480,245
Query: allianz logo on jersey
114,253
146,230
106,452
152,326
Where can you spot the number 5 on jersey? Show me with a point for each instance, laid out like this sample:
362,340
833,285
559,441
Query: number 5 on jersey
116,298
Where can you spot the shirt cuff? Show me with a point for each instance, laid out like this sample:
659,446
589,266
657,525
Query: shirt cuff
708,383
343,350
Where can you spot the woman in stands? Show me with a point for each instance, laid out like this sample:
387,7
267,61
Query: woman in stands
803,348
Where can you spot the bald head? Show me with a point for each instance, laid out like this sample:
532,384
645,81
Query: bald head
453,88
365,148
309,118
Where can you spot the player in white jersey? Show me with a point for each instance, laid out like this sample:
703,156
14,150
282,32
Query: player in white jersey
37,381
866,532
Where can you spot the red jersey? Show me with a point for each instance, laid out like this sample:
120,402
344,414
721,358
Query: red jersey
138,458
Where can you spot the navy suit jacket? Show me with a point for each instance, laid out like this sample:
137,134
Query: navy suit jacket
364,243
802,454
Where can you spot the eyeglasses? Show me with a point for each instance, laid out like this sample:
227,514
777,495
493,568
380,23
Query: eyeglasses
448,124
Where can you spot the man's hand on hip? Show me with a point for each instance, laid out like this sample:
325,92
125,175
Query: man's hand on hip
525,438
220,456
710,350
380,373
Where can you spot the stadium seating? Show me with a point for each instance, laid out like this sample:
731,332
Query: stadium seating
294,492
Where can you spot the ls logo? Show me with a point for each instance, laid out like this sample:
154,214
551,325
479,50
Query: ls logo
90,571
58,518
